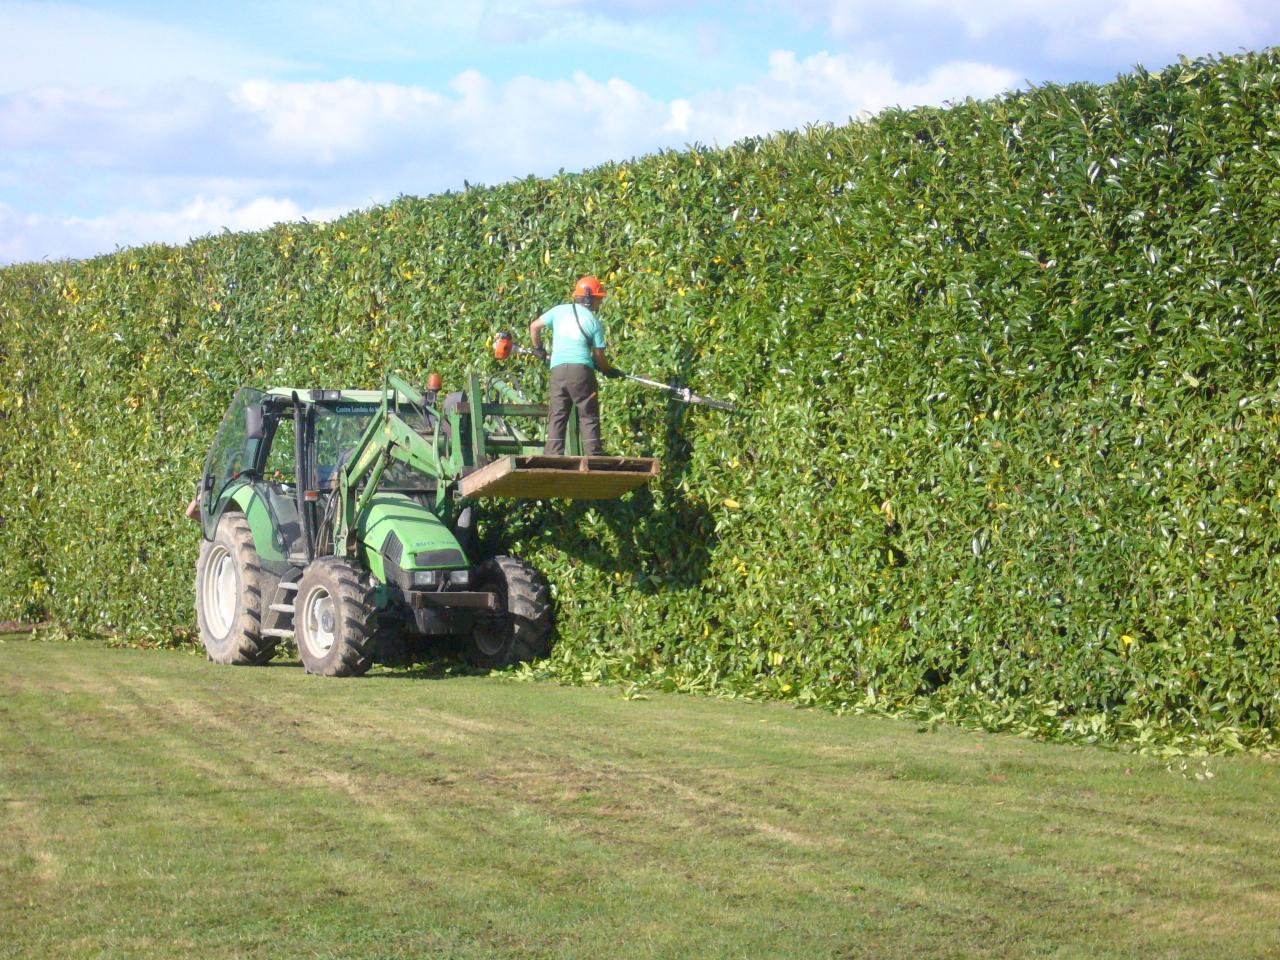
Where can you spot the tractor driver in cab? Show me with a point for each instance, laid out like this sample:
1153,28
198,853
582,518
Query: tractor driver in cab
577,352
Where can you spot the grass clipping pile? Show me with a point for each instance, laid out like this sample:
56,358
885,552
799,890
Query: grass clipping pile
1013,411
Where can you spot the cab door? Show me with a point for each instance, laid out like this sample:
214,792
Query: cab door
233,452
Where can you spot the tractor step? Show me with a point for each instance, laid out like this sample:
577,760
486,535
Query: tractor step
544,477
278,620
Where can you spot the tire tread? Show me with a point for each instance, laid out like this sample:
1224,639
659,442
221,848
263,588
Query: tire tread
352,651
245,645
529,608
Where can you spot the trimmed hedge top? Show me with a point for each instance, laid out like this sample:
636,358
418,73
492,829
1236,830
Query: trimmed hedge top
1009,370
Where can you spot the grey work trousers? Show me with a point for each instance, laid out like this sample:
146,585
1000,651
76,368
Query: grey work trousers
573,385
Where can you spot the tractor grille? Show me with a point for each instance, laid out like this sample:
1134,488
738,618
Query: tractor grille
448,557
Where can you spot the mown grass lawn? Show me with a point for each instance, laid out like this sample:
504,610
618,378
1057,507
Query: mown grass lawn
157,805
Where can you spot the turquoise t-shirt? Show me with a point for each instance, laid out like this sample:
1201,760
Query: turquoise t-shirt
567,341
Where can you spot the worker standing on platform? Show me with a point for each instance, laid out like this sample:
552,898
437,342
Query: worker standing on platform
577,352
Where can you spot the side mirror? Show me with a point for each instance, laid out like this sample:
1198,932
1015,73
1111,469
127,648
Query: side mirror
253,425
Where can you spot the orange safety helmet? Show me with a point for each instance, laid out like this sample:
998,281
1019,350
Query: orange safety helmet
588,287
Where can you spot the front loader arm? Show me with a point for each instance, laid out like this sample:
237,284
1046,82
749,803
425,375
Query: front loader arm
387,437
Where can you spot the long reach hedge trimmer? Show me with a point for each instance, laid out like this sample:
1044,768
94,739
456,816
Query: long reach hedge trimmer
683,394
505,347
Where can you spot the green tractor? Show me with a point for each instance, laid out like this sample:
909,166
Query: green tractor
344,520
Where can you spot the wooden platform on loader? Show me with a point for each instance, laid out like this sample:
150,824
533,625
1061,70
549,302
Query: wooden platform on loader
569,478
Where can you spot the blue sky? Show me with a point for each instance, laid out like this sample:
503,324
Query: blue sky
129,122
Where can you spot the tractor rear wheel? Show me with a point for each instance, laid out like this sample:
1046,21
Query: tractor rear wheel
520,629
334,619
232,591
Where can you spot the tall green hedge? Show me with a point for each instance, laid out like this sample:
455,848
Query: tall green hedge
1008,370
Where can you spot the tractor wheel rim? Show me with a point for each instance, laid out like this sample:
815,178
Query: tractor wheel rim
492,641
492,631
318,621
220,591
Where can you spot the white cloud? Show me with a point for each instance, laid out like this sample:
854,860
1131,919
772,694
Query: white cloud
830,88
1176,23
1161,28
595,21
28,236
258,151
681,112
475,129
375,31
74,46
325,122
484,128
110,128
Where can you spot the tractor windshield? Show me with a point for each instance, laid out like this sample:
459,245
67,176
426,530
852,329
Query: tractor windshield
338,430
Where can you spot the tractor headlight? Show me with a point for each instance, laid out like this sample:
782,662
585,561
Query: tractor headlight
426,578
459,578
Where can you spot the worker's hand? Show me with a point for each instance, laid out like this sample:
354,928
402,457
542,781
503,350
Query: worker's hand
539,352
613,373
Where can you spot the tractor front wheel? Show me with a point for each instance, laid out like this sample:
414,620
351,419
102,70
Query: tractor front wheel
520,629
334,619
232,591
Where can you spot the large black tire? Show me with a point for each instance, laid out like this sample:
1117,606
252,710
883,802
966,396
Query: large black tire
334,620
521,628
232,594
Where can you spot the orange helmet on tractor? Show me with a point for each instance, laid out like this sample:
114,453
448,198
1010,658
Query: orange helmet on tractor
588,287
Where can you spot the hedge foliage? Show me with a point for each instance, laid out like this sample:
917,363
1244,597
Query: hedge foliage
1008,367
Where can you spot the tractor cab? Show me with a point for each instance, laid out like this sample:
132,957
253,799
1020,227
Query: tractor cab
287,447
